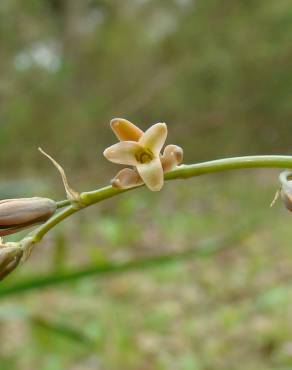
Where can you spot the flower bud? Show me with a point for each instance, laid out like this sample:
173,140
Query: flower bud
126,178
286,189
9,260
286,195
172,157
18,214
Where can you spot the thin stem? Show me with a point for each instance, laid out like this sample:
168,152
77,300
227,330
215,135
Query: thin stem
63,203
181,172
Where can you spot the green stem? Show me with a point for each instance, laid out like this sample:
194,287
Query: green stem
181,172
63,203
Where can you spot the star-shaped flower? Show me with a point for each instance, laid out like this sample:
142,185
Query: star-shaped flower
141,150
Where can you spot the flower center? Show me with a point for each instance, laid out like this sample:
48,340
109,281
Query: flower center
144,156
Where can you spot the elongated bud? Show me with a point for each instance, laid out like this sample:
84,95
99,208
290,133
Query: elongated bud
18,214
286,189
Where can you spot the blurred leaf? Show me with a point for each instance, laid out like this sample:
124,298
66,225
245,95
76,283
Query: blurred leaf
61,329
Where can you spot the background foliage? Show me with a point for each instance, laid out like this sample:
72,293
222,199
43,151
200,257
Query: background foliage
219,74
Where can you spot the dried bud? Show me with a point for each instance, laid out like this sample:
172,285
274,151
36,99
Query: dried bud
9,260
18,214
72,195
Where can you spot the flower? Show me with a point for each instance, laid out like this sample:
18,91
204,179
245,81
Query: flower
141,150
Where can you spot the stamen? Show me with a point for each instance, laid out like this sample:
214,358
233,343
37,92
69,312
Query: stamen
145,156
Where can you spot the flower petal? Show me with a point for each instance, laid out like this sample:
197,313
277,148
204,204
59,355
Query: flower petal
123,153
172,157
125,130
154,138
126,178
152,174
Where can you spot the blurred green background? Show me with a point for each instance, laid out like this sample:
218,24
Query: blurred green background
219,74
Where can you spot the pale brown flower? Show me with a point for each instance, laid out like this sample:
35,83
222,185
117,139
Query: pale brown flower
141,150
